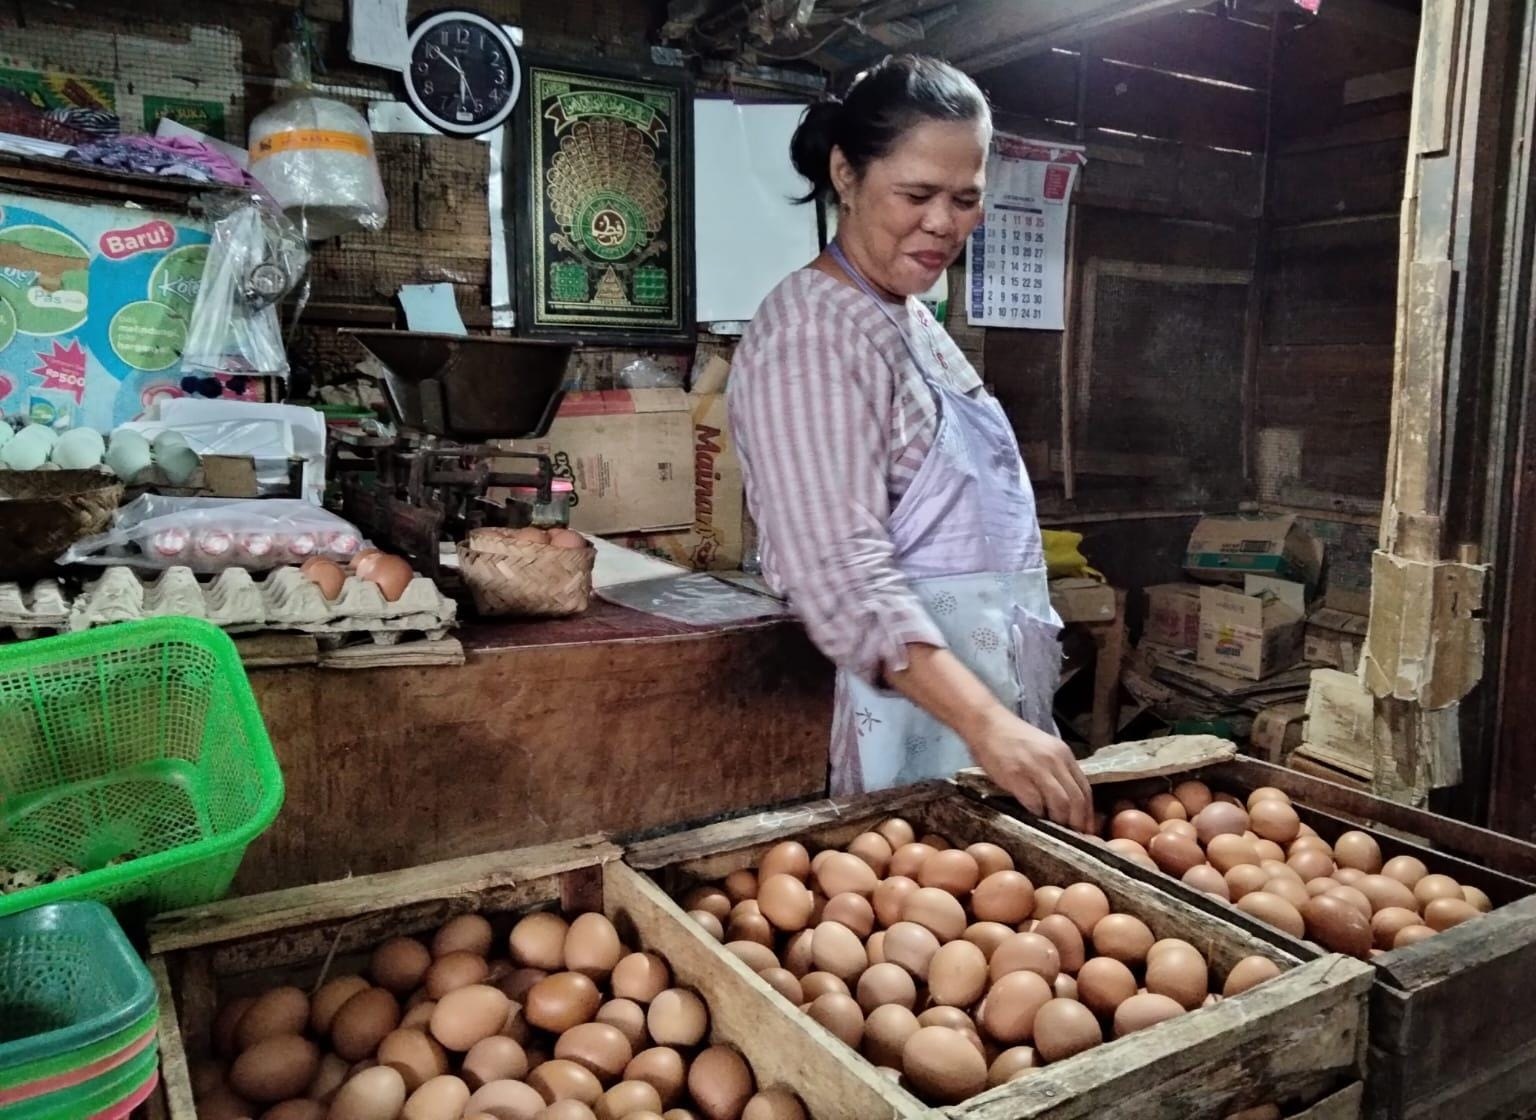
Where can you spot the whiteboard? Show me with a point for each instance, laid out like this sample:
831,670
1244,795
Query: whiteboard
748,234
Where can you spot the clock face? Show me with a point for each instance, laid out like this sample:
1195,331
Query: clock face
464,75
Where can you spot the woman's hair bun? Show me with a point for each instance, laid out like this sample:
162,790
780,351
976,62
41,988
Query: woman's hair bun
810,149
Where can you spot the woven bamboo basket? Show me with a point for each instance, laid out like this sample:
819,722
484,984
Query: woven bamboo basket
506,576
42,513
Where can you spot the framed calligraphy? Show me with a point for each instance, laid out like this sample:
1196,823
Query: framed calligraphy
604,193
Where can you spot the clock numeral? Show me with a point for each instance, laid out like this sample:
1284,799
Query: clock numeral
421,67
464,35
500,76
427,88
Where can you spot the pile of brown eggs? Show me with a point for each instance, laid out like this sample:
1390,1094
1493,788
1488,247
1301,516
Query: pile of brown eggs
1264,859
947,967
567,1024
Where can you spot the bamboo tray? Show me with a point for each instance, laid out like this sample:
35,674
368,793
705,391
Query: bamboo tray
1452,1019
1299,1037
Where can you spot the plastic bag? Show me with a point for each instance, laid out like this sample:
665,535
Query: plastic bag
1063,556
697,600
316,156
211,534
255,257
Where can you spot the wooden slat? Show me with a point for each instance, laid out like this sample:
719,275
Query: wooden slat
176,1077
1332,296
1343,1105
1198,42
1335,182
993,32
1152,103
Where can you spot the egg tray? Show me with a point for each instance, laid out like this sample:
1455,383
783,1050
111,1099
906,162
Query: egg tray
33,610
285,600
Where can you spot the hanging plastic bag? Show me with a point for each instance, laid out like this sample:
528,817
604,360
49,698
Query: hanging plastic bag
315,155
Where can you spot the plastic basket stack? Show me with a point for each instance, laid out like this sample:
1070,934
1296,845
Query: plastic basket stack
134,768
77,1016
510,576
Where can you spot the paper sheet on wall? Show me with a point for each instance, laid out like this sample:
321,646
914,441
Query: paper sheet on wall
1016,260
748,234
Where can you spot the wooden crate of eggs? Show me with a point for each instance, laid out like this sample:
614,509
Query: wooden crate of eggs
989,970
1444,911
549,982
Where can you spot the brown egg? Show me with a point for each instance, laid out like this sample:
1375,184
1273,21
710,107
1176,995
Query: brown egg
1431,887
1165,806
1268,850
1322,886
641,977
1181,975
886,1031
1219,819
888,983
571,1110
1066,935
710,923
1288,887
1193,795
815,984
1207,879
1064,987
1003,896
442,1098
797,953
562,1000
954,1018
943,1066
392,575
497,1058
1008,1015
1273,910
1477,898
953,870
561,1080
279,1011
330,997
709,898
1279,869
663,1069
839,1014
990,858
1249,973
629,1098
1443,913
328,1078
1348,876
468,933
786,902
362,1023
1184,830
1267,792
837,949
677,1017
1133,852
418,1014
935,841
1311,864
629,1017
787,984
749,926
1085,904
275,1068
227,1023
1412,935
325,574
415,1055
531,534
599,1047
1123,937
873,849
592,947
1026,952
1388,922
957,974
774,1104
875,947
1353,897
1383,891
374,1094
851,910
1143,1011
720,1083
987,936
1337,925
1358,850
1012,1064
1227,851
1064,1027
1405,869
1175,854
398,965
843,872
907,860
754,956
1275,820
565,538
1103,984
786,858
936,910
1133,824
740,885
888,897
1243,880
1046,899
453,971
466,1015
538,941
896,831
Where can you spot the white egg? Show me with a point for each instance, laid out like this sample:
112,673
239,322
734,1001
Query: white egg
128,454
79,449
28,451
177,460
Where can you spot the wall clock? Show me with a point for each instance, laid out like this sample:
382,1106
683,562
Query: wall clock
464,75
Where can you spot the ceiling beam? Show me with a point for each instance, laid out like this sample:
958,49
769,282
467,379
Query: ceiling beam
1374,16
989,33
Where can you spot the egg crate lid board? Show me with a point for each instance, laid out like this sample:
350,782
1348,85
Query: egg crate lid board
284,600
33,608
243,945
1298,1036
1439,1045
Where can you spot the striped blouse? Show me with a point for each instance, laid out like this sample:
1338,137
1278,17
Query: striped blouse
832,419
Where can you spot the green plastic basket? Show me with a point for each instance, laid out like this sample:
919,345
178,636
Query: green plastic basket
80,1102
136,754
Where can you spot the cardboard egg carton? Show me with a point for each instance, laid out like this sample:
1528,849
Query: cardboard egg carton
285,600
33,610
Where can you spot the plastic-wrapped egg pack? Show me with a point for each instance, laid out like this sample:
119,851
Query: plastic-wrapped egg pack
556,1019
947,967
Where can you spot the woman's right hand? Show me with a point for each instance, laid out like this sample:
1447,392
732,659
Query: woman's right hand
1034,766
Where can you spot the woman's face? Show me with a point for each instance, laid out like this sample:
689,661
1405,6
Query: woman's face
905,220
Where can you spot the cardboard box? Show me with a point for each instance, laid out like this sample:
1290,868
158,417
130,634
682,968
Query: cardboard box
1340,723
1225,549
1246,636
1173,615
714,540
1335,638
629,453
1083,600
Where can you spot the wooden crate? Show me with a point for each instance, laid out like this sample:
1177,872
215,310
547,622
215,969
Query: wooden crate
1299,1037
200,957
1453,1019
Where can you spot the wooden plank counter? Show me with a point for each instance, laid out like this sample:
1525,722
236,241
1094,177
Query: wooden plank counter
614,721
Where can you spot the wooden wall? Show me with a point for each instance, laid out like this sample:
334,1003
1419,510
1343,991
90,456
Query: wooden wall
1330,280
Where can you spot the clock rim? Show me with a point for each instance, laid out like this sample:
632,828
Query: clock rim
426,23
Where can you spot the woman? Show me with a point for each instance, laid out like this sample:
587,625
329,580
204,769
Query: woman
892,504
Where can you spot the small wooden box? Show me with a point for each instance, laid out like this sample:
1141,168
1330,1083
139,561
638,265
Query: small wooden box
1453,1019
1298,1038
202,956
